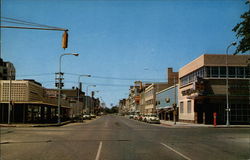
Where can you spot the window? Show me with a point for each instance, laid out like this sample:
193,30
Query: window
181,107
247,72
208,72
222,71
215,71
240,72
189,107
231,72
184,80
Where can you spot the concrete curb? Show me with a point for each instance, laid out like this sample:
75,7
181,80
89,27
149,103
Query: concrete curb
203,126
36,125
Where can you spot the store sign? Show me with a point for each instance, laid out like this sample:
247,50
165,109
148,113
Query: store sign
188,92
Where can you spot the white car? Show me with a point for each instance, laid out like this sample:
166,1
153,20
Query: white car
86,117
152,119
131,116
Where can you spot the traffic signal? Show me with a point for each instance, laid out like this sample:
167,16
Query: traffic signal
65,40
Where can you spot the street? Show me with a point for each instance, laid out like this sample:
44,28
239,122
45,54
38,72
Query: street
114,138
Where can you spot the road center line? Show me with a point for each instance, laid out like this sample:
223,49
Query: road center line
99,151
176,151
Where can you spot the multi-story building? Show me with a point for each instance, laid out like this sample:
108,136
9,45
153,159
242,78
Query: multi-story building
28,102
150,91
150,96
134,97
76,107
7,70
142,97
122,107
96,106
202,89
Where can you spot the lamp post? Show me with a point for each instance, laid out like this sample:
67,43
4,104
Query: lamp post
78,92
86,101
59,84
227,110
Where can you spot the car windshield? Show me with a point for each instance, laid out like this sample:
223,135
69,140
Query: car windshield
124,79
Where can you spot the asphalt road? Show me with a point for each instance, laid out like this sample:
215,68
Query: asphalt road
118,138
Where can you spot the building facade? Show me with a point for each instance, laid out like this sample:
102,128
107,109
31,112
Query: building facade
150,92
202,89
26,101
150,96
7,70
165,103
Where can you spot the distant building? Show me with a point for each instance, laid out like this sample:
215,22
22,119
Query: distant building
150,96
150,92
7,70
134,97
202,89
122,106
76,108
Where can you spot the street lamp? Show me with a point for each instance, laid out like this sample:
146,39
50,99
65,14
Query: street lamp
59,84
86,102
78,92
232,44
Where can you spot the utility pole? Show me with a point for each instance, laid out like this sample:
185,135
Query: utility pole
175,105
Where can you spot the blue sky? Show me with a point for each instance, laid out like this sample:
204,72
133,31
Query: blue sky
116,38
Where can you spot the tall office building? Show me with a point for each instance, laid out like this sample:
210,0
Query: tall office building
7,70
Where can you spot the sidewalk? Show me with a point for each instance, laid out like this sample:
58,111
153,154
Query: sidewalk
35,125
193,125
48,124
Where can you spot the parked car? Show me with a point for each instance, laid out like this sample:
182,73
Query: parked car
86,117
136,117
144,118
92,115
141,117
152,119
131,116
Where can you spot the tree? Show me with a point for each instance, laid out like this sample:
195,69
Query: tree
242,30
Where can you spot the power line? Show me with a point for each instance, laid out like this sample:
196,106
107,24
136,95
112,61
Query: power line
118,78
35,75
28,23
53,29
